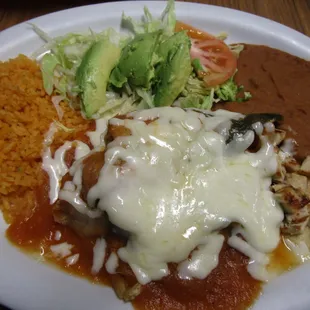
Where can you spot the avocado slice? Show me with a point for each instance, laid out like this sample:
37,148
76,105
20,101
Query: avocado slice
173,73
93,74
136,65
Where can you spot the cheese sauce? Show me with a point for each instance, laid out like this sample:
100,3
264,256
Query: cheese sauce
179,184
228,286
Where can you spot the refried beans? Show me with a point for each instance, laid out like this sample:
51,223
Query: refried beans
279,83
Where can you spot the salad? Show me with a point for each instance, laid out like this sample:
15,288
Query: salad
163,62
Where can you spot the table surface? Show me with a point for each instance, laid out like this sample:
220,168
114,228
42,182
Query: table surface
292,13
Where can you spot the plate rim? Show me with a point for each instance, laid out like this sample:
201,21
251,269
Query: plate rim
291,34
146,2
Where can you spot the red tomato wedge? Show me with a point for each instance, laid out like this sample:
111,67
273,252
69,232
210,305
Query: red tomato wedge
213,54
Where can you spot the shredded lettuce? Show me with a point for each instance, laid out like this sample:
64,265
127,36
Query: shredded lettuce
59,64
166,22
247,96
227,91
42,34
147,98
63,127
236,49
56,101
168,18
48,65
195,86
196,95
230,91
222,36
197,65
63,55
116,104
132,25
198,101
190,101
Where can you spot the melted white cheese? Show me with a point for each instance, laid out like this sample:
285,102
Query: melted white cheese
73,259
112,263
49,137
289,147
57,236
258,128
269,127
73,197
81,150
258,260
71,191
97,136
56,167
179,184
69,186
62,249
203,260
99,255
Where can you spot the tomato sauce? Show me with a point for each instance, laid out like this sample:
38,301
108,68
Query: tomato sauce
229,286
37,234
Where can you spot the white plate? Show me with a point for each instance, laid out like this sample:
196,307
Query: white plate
29,285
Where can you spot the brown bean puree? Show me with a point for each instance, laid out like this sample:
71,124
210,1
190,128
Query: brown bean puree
279,83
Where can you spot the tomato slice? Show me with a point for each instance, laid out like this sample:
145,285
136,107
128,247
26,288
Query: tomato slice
214,55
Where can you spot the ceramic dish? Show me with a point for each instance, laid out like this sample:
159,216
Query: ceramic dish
28,284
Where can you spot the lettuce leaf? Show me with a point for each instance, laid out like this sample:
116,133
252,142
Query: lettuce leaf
147,98
65,54
166,22
228,91
198,101
48,66
116,104
196,95
195,86
236,49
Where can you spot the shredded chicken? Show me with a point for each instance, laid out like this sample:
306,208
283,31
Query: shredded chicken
280,173
297,181
291,165
292,190
305,167
276,137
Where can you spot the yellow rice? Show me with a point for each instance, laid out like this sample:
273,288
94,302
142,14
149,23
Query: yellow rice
26,113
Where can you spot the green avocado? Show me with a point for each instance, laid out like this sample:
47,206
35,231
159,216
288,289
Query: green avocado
93,74
136,65
173,73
